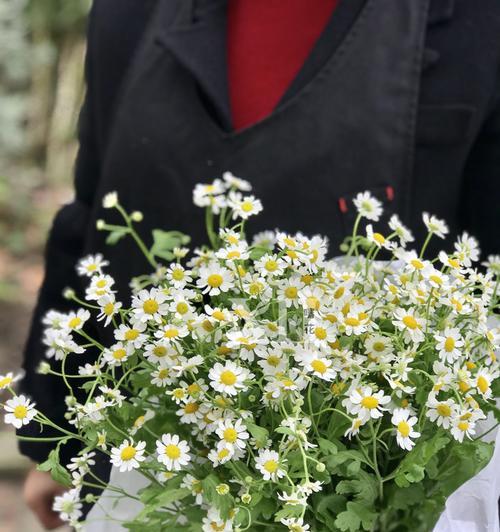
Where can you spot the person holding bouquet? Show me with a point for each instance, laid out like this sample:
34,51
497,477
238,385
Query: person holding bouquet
314,101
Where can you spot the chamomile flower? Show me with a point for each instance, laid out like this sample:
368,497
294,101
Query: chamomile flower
149,305
117,354
368,206
229,378
132,333
178,275
214,279
100,285
8,380
19,411
353,430
109,308
404,234
441,412
404,421
435,225
68,506
449,345
295,524
413,326
270,265
365,403
461,427
317,364
232,433
269,465
377,239
173,452
244,206
128,455
221,454
91,265
236,182
289,291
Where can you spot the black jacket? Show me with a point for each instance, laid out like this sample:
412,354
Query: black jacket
455,141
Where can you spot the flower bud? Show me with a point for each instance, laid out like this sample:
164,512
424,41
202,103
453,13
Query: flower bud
90,499
137,216
320,468
44,368
68,293
110,200
222,489
246,498
100,224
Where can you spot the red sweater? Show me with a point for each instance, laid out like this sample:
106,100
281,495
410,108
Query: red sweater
268,42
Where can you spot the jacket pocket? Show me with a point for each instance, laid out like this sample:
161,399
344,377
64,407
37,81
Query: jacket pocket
444,123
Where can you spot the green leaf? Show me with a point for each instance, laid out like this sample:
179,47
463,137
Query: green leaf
57,471
412,467
259,433
223,503
327,446
364,489
115,236
164,243
356,517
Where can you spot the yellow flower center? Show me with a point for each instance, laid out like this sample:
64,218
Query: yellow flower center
378,238
352,322
182,307
223,453
131,334
378,347
172,451
369,402
178,274
101,284
271,466
215,280
235,254
119,354
75,322
150,306
463,426
108,309
417,264
218,315
230,435
247,206
443,410
449,344
319,366
191,408
339,292
482,384
273,360
227,377
163,374
5,382
404,429
291,292
320,333
171,333
410,322
271,266
128,453
436,279
20,412
160,351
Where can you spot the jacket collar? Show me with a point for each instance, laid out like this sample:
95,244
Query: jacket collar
197,39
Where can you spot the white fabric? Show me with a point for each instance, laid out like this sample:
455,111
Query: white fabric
472,508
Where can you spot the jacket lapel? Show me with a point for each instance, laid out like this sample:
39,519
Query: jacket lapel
197,40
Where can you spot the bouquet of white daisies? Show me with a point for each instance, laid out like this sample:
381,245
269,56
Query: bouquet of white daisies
264,386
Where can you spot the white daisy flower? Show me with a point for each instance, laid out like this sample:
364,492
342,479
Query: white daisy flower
20,411
449,345
264,239
221,454
91,265
289,290
109,308
269,465
214,279
128,456
117,354
441,412
403,233
270,265
100,285
236,182
295,524
8,379
368,206
110,200
412,326
377,239
178,275
467,249
435,225
404,428
353,430
232,433
132,333
173,452
462,426
149,305
243,206
229,378
68,505
366,404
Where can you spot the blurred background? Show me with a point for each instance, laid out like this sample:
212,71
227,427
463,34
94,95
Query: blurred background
42,47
